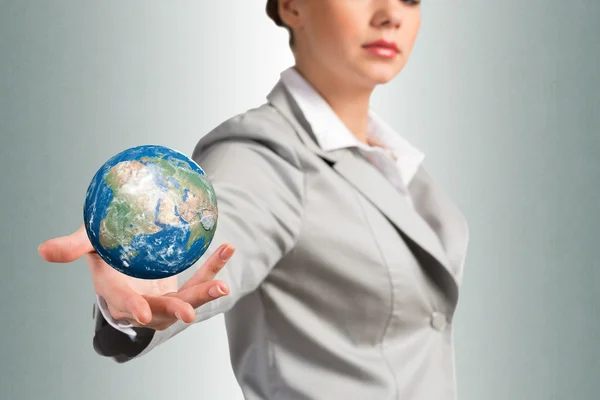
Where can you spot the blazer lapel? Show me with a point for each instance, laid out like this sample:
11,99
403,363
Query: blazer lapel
375,187
418,227
444,217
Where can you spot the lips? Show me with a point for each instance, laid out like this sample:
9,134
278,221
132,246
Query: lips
382,49
383,44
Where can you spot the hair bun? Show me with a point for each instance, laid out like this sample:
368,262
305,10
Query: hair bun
273,12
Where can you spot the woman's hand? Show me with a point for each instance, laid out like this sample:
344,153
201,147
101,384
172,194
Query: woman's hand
155,304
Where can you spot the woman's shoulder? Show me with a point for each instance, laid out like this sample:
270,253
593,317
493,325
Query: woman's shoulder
259,126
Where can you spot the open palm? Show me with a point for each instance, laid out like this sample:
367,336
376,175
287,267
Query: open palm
155,304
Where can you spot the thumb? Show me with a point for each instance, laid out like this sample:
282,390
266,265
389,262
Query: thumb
66,248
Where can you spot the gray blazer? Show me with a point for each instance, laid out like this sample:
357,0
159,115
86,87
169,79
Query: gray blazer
339,288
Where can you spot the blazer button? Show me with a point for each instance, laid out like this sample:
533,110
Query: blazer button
438,321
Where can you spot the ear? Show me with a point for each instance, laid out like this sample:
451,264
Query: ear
290,12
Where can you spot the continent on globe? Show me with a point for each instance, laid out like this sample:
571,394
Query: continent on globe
150,212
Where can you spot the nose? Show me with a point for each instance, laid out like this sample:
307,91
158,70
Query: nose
388,14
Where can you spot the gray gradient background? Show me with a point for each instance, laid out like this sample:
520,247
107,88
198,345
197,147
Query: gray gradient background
502,96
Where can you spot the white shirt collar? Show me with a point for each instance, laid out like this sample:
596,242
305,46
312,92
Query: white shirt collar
332,134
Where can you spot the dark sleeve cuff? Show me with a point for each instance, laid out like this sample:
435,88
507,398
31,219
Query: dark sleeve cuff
110,342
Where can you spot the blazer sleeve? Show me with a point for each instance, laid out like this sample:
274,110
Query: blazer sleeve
260,198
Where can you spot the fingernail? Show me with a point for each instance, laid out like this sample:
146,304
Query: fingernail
226,253
178,315
138,319
216,291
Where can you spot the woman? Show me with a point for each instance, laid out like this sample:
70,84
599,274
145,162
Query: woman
348,257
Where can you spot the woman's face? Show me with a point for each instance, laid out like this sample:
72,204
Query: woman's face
363,41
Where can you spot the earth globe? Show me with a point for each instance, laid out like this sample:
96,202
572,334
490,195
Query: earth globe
150,212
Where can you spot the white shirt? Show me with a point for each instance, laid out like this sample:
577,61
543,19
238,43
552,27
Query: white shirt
398,162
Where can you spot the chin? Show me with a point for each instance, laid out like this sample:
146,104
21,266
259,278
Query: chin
382,74
379,72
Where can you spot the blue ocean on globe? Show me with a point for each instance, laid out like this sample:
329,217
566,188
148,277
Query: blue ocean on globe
150,212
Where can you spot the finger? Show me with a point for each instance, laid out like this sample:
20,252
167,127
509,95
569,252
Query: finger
211,267
130,303
68,248
170,307
203,293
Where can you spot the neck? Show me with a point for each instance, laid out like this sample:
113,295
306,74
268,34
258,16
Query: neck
350,103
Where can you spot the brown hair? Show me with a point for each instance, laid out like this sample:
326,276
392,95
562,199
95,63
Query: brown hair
273,13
